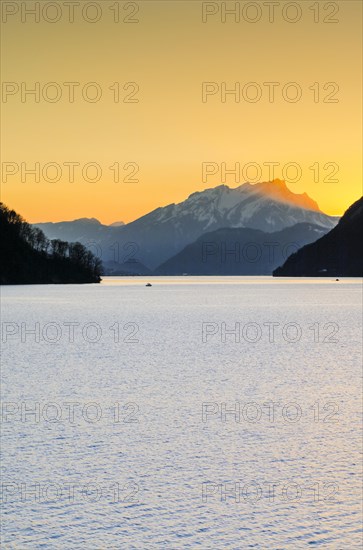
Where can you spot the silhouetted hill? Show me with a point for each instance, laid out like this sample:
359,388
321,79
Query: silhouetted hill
239,251
28,257
337,254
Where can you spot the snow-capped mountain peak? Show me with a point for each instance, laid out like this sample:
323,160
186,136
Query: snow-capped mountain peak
268,207
278,190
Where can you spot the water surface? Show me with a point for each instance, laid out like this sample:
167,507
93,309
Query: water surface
202,412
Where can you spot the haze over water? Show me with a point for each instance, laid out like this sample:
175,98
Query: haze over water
198,413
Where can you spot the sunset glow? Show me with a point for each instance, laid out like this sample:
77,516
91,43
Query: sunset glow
189,101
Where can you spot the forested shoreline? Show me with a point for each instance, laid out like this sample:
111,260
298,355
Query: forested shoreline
28,257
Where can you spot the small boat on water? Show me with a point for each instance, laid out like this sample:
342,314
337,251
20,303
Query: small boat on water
148,284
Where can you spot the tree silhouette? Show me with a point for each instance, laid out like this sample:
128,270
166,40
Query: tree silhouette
28,257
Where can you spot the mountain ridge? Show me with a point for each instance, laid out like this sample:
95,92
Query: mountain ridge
239,251
165,231
337,254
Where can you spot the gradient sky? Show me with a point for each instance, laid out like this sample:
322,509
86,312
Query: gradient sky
170,132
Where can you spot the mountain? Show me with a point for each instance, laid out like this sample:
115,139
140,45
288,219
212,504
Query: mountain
116,224
155,237
337,254
83,229
28,257
278,190
241,251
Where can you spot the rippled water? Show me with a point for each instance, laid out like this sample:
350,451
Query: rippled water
132,418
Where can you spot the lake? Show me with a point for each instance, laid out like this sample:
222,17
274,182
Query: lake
197,413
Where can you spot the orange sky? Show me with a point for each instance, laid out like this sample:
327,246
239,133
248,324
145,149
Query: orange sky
163,139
